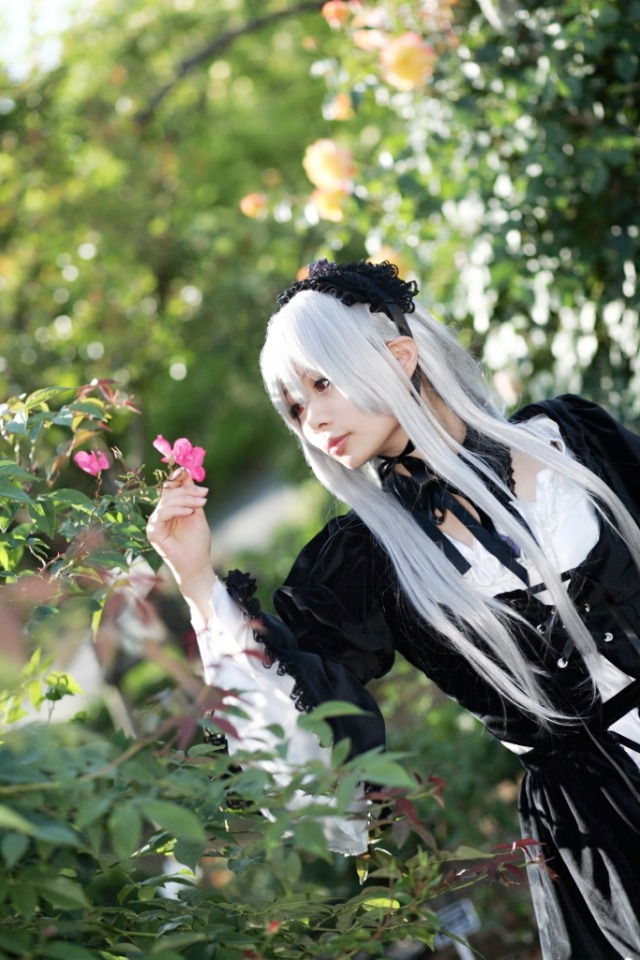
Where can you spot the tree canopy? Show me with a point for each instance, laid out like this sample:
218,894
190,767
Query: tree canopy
491,149
177,167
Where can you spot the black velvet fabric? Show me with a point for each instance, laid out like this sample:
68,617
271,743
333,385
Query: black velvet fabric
342,618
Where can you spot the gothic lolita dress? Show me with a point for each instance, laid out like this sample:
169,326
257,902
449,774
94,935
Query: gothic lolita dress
341,619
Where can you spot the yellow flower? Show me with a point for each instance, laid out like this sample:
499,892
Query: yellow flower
329,166
328,204
253,205
407,61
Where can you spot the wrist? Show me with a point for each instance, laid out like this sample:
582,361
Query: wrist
197,592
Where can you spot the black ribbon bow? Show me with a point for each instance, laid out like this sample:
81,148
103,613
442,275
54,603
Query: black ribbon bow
429,497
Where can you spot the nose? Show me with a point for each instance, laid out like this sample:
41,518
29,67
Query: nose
317,413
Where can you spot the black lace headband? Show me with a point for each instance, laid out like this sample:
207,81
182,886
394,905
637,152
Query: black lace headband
374,284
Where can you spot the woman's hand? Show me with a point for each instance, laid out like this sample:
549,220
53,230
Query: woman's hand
179,533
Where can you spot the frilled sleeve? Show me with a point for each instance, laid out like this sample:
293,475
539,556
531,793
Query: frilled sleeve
328,640
233,661
330,634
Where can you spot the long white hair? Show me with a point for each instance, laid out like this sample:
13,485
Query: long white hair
315,333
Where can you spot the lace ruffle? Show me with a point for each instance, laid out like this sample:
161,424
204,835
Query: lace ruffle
241,588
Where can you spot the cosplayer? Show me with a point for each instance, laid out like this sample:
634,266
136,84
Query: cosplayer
500,557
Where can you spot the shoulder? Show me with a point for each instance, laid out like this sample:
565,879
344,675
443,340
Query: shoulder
344,543
596,438
579,419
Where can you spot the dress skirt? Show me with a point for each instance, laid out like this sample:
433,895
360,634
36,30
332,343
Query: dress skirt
582,805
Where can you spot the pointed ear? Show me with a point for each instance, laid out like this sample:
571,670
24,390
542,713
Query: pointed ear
406,353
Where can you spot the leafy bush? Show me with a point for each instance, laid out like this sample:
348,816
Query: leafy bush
160,845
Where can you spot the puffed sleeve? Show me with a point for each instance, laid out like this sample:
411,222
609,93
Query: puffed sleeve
233,661
331,634
328,639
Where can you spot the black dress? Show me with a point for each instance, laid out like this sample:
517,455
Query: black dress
342,617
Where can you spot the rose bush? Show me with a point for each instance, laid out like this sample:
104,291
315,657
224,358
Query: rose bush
156,845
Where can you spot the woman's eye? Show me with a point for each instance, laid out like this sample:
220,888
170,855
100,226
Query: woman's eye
321,385
296,411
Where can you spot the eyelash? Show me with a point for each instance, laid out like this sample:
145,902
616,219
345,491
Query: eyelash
319,385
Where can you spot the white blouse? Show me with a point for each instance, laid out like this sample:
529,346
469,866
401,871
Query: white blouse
564,523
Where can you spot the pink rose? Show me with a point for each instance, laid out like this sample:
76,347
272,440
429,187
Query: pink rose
93,463
183,454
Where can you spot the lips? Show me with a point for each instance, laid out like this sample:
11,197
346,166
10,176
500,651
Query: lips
336,445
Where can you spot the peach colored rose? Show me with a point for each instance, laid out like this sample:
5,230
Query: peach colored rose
388,253
329,166
407,61
253,204
328,204
369,39
340,108
336,13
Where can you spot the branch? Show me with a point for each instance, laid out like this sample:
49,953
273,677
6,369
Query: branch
215,47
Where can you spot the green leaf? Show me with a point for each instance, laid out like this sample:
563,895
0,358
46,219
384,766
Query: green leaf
335,708
62,892
385,771
53,831
43,512
44,395
286,866
178,821
73,498
16,942
384,903
14,845
24,899
14,494
13,471
60,950
10,820
125,826
91,407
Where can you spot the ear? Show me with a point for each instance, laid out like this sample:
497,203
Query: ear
406,353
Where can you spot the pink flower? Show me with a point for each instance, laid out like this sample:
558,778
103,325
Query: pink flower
93,463
184,454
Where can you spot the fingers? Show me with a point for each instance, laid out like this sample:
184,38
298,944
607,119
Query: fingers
176,501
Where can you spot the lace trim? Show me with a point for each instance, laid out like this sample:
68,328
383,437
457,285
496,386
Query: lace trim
241,587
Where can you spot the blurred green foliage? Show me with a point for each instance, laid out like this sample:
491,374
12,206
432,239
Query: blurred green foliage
505,179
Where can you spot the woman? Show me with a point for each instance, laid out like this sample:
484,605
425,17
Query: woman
500,557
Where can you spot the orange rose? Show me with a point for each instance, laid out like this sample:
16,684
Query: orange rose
340,108
336,13
329,166
253,205
407,61
328,204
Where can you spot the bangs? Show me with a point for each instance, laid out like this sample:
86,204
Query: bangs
285,360
318,336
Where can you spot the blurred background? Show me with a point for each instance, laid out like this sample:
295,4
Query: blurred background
168,166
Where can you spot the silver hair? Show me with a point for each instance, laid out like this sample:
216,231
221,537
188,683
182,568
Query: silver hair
316,333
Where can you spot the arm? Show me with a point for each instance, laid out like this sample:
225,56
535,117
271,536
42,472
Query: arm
179,533
233,658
